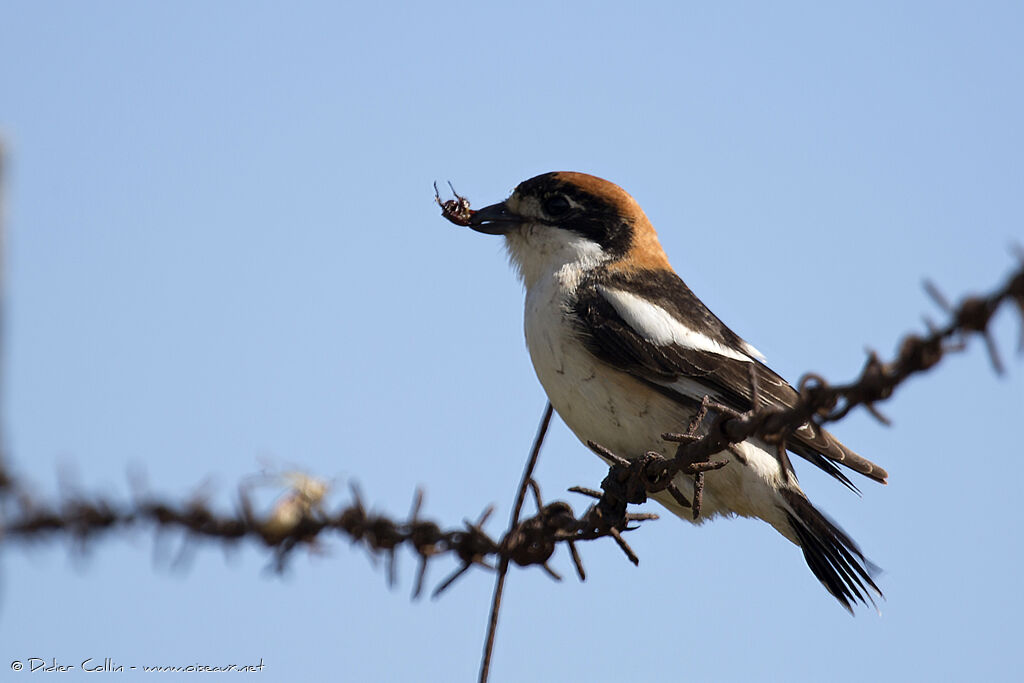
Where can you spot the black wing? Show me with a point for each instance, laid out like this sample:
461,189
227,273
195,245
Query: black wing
687,373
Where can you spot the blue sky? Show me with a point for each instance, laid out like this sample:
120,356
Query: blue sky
223,253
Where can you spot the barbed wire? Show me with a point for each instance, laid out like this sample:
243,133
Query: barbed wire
819,402
299,518
633,481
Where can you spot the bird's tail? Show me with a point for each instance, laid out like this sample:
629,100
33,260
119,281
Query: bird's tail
832,555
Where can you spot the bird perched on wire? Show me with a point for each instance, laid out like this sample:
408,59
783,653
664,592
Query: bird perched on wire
626,352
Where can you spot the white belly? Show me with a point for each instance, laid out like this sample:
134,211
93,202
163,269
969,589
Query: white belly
611,408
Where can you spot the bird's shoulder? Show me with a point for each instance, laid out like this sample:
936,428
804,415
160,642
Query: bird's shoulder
651,325
659,307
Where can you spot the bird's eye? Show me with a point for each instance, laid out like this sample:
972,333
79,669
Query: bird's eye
556,205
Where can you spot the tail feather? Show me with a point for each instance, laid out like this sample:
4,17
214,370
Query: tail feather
833,556
815,443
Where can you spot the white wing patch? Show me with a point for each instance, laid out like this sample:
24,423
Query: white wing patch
661,328
749,348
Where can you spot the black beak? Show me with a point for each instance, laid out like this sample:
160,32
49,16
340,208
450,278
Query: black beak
495,219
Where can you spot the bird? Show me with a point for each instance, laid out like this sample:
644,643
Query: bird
626,352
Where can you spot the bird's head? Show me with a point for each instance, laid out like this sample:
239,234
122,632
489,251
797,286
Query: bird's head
574,220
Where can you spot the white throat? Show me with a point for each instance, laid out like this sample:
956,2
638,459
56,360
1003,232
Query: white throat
538,251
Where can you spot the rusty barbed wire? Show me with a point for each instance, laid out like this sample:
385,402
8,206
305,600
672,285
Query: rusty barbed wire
819,402
632,481
533,540
299,518
530,541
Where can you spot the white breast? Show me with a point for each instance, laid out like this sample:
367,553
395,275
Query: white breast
611,408
595,401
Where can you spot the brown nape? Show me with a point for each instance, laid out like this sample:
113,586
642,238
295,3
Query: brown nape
645,252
